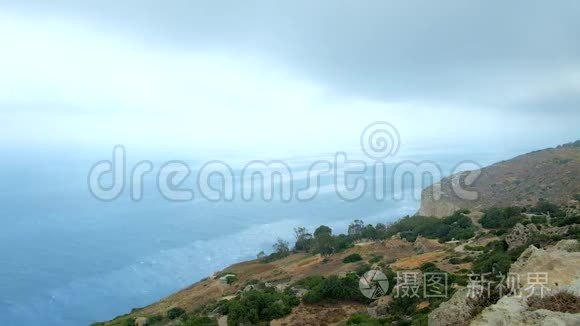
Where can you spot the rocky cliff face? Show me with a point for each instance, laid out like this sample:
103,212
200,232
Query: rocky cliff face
561,262
552,174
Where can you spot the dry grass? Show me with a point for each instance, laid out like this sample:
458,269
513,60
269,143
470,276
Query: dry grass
562,302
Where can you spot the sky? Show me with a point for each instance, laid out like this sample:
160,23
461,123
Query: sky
288,75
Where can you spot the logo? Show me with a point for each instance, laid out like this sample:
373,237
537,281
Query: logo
373,284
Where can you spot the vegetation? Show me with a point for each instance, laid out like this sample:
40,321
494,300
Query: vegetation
352,258
501,218
281,250
458,260
545,207
258,306
375,259
562,301
174,313
457,226
334,288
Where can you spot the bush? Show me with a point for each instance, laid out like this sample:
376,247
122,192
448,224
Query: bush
474,248
352,258
176,312
539,220
334,288
375,259
545,207
501,218
154,319
360,270
255,307
459,260
563,221
231,279
456,226
562,302
199,321
495,259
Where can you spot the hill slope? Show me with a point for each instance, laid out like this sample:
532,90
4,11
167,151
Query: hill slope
552,174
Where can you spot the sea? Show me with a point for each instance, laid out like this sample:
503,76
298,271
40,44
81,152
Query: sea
68,258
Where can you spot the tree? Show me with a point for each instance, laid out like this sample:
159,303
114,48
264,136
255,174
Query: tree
355,228
281,248
303,239
323,229
381,228
261,255
324,242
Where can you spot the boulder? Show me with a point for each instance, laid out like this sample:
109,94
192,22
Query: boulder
140,321
455,312
512,311
519,235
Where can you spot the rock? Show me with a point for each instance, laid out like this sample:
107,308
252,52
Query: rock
250,287
560,265
560,262
223,321
519,236
455,312
512,311
380,307
140,321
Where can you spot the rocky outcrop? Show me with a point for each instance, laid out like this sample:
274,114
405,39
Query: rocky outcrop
552,174
520,235
141,321
455,312
560,262
512,311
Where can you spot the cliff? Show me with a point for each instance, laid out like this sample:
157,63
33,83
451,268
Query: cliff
552,174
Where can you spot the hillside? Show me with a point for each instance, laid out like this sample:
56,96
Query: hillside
552,174
317,281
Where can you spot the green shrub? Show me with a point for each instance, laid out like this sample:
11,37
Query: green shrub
539,220
360,270
456,226
199,321
563,221
174,313
474,248
154,319
501,218
310,282
459,260
545,207
352,258
255,306
334,288
375,259
231,279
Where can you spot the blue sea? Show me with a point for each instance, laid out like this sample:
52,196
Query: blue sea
67,258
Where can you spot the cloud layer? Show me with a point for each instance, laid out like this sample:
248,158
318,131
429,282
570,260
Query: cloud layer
255,74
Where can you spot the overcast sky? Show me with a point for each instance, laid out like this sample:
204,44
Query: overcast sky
288,75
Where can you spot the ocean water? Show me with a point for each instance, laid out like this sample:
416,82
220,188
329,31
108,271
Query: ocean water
67,258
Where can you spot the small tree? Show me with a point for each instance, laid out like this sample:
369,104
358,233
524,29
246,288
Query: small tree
355,229
324,242
281,248
303,239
